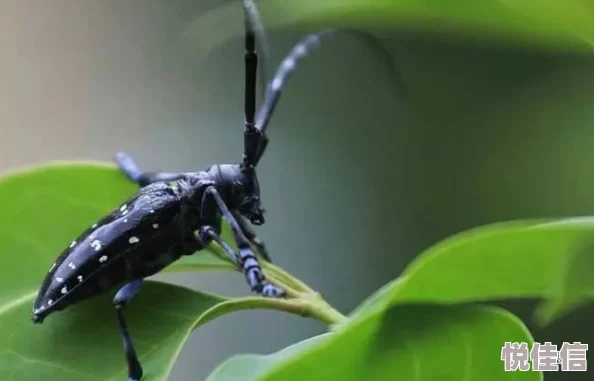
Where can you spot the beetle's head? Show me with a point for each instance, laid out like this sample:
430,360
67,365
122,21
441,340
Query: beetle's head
246,196
241,190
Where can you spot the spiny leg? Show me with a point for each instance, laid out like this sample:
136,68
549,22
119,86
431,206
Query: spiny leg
131,170
251,235
245,258
123,296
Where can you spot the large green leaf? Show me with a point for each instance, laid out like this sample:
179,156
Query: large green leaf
248,367
83,342
41,210
550,260
522,259
409,343
546,23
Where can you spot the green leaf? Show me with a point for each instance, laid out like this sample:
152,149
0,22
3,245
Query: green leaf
547,259
41,210
543,23
376,301
408,342
573,288
248,367
83,342
521,259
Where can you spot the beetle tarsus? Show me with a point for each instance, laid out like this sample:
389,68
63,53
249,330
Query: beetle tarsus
248,263
271,291
123,296
255,276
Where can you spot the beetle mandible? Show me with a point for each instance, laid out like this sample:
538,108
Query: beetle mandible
178,214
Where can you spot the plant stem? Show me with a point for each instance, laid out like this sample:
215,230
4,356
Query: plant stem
281,274
322,312
308,302
301,299
326,314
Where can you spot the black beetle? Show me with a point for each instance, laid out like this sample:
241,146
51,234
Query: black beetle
177,214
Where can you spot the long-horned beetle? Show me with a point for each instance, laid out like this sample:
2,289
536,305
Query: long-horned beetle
177,214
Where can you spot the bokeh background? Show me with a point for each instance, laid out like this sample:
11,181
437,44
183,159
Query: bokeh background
356,181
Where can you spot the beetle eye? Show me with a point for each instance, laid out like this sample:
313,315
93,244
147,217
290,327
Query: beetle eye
237,189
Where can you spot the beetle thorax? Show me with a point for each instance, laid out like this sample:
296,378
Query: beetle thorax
240,189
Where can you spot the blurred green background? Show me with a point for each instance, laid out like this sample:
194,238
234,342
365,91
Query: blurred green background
355,181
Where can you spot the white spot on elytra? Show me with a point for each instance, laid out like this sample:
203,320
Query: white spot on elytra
125,220
79,278
103,259
59,280
51,268
94,226
64,290
123,207
125,212
71,265
152,211
72,244
155,226
133,240
96,244
50,302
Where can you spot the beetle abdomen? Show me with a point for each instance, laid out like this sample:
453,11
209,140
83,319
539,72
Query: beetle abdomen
134,240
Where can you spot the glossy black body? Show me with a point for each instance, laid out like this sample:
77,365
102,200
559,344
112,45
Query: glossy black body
146,233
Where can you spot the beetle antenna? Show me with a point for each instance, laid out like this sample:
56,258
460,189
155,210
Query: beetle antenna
254,24
255,42
300,51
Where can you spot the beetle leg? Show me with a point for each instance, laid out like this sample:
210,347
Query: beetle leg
251,235
207,233
131,170
245,258
123,296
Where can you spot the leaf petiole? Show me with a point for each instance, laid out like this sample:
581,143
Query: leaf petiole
301,299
